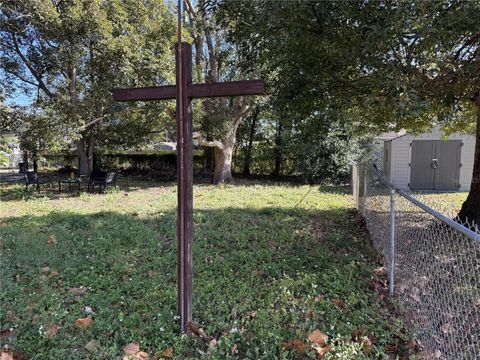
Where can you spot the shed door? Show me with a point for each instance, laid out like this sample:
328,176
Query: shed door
435,165
447,176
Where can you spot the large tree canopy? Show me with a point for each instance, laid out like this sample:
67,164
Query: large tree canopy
406,64
72,53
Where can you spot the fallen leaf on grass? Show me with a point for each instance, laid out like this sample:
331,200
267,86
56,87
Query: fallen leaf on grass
377,285
52,240
10,315
7,335
195,329
54,273
6,355
92,345
367,344
83,323
45,270
310,315
78,291
412,344
51,331
357,333
295,344
167,353
390,348
152,273
338,302
131,348
318,338
323,350
132,352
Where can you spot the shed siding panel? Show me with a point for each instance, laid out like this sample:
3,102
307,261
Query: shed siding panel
401,155
468,150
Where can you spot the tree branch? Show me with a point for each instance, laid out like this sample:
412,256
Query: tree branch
30,67
202,141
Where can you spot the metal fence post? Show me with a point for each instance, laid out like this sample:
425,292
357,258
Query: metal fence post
391,272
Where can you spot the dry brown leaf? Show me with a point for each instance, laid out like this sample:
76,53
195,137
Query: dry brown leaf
83,323
195,329
131,349
92,345
10,315
233,313
7,335
310,315
377,285
52,240
51,331
141,355
295,344
412,344
318,338
390,348
6,355
78,291
45,270
152,273
367,344
338,302
357,333
167,353
323,350
54,273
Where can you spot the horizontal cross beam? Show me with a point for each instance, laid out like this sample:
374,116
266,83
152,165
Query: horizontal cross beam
234,88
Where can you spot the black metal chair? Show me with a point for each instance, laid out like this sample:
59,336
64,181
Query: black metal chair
102,179
32,178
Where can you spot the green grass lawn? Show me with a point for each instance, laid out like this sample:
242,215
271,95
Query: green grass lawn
272,263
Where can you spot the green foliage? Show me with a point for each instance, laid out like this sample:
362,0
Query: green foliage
268,260
74,52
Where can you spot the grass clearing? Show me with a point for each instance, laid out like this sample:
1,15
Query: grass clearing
272,263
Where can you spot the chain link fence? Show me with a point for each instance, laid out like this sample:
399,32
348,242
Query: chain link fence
433,265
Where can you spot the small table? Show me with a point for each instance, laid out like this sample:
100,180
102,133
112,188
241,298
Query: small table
69,182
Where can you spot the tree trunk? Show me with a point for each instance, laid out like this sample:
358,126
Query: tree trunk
278,150
223,164
25,160
85,155
35,163
471,207
248,156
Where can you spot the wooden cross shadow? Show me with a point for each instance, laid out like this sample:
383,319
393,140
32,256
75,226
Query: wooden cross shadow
184,92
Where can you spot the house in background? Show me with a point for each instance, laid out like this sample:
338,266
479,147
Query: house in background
429,162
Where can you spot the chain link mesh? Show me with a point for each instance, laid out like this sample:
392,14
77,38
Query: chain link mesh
436,267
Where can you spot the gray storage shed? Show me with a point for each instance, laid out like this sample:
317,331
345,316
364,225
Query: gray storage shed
429,162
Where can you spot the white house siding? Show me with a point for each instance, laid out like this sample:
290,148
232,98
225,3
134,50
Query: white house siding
401,155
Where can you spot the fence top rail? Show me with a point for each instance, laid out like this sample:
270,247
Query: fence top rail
446,220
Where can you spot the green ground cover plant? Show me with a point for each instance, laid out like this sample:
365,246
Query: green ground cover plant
280,271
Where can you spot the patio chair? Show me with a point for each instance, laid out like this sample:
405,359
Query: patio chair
102,179
32,178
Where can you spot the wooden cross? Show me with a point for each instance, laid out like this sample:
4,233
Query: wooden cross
184,91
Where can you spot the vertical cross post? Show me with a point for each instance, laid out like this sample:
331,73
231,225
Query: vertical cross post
183,57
